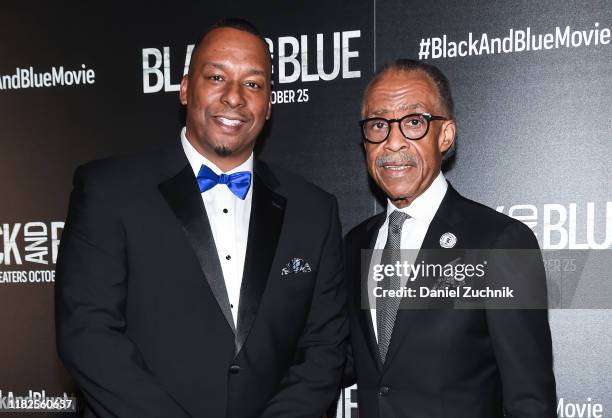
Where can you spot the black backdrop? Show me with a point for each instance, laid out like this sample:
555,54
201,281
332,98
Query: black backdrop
534,131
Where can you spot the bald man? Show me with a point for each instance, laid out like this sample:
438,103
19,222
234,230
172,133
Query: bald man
197,281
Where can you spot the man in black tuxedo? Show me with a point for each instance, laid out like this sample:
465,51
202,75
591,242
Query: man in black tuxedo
195,280
426,363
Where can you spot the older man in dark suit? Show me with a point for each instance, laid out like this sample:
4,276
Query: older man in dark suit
442,363
196,280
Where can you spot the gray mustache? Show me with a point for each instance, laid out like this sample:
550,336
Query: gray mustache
395,159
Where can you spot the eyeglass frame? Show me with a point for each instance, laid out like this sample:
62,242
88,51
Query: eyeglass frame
427,116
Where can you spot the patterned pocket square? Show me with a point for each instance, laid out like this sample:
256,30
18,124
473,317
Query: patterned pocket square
296,265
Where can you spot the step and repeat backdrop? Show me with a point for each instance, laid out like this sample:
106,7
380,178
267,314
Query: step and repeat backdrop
533,89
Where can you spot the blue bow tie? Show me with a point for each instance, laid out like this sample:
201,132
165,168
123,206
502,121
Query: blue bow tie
238,183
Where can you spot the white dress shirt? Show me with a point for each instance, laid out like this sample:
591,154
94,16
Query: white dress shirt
421,211
229,221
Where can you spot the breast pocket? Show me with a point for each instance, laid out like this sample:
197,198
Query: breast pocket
295,288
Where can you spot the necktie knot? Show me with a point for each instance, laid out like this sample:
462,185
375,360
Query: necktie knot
238,183
396,221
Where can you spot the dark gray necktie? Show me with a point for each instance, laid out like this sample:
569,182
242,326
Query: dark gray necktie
386,308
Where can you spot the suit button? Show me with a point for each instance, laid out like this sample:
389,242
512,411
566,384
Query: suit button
383,391
234,369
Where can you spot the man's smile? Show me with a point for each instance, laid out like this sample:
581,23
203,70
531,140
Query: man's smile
229,122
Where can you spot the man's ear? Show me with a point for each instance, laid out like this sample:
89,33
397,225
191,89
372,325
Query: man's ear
446,138
269,112
183,90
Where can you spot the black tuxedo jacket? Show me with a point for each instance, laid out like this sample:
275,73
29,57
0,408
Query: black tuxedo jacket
446,363
142,314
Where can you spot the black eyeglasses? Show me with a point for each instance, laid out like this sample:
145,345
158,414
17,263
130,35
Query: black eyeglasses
414,126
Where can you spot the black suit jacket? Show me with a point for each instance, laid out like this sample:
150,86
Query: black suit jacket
142,314
446,363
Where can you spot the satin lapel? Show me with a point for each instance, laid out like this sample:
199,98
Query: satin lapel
361,294
443,221
265,224
183,196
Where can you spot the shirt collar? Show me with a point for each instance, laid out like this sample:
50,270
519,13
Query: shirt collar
425,206
196,159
